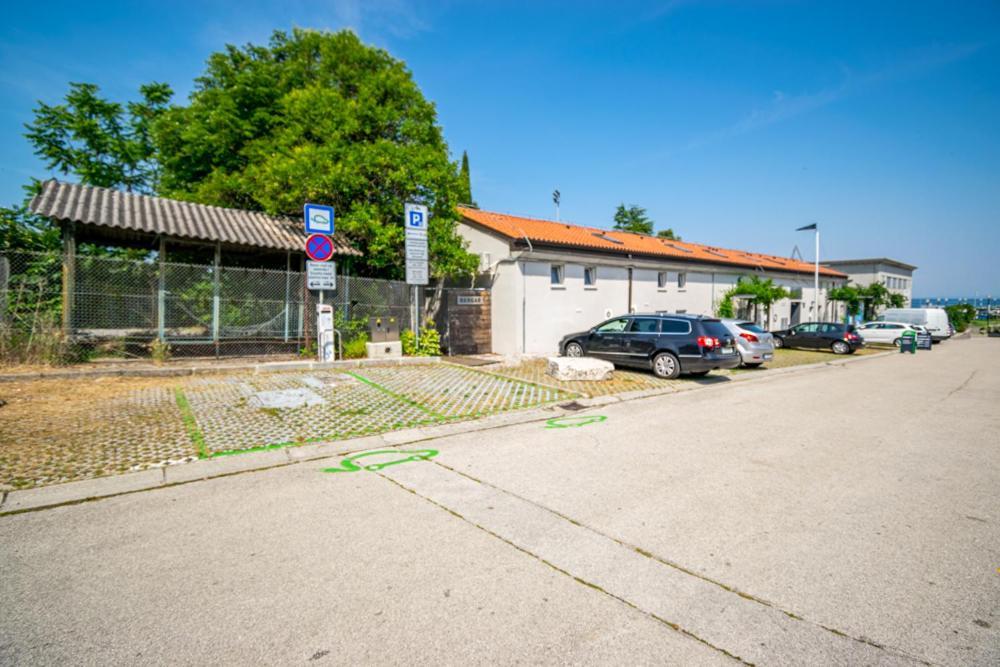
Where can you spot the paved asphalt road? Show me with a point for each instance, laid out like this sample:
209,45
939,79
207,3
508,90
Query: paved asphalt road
846,515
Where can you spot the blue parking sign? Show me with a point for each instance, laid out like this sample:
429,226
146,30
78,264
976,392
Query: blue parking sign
416,216
319,219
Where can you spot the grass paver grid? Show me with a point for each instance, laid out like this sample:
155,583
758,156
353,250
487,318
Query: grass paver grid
453,392
624,380
74,431
230,418
53,432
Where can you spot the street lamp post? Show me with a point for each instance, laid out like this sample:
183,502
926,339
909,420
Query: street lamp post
815,228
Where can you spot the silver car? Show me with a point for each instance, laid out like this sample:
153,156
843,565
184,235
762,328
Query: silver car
756,346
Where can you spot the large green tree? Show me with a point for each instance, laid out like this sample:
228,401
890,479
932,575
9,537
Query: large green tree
633,219
320,117
100,142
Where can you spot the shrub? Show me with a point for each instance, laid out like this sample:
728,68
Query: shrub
159,350
355,348
430,342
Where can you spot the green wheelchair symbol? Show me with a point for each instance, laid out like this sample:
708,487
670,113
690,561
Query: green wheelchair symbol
349,465
574,422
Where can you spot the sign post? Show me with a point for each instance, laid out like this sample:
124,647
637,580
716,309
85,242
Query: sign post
320,275
415,223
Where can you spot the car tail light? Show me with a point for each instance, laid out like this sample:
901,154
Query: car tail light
709,342
851,336
749,337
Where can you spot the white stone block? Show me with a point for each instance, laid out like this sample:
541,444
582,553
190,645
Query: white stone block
579,368
386,350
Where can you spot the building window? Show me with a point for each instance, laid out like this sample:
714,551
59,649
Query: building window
682,280
589,276
557,274
661,280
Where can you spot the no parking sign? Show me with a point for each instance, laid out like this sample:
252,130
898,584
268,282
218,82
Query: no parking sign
319,247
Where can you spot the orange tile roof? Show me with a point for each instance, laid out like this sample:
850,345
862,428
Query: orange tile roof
593,238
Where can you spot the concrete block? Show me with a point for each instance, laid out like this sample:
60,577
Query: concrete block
387,350
579,368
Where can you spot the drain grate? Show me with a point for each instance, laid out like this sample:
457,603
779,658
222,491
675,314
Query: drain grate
572,405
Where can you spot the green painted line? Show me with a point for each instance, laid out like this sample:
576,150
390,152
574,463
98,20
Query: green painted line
516,380
190,424
398,397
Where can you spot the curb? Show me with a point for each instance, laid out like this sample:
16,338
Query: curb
72,493
266,367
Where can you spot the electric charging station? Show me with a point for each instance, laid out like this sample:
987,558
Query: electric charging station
324,332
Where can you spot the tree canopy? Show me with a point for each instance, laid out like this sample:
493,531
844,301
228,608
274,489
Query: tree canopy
760,292
98,141
867,299
668,233
317,116
633,219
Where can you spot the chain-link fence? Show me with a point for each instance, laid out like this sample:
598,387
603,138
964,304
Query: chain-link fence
110,306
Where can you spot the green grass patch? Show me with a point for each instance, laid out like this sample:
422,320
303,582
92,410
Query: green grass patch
190,424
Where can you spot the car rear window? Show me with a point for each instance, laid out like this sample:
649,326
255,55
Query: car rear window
716,329
750,326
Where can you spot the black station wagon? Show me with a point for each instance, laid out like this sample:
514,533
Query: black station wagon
668,344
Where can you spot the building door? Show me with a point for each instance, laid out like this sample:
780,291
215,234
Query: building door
795,314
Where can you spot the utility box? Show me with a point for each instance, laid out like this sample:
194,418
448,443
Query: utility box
383,329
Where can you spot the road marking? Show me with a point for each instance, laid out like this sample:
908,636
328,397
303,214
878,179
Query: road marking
349,464
574,421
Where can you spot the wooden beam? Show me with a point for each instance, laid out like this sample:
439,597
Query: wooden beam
68,276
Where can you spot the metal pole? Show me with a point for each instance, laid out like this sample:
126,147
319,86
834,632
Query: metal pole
216,288
416,315
288,287
816,277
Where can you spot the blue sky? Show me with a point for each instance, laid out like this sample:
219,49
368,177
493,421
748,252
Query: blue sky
732,122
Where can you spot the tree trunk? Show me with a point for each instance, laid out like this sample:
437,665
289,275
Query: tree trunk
432,302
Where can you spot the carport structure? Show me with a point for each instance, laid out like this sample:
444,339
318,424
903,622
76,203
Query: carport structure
180,293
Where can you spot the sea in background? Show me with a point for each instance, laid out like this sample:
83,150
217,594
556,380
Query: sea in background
941,302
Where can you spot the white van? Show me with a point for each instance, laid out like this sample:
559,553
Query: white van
935,319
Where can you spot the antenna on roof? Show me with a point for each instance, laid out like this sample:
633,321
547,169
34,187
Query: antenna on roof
556,198
796,252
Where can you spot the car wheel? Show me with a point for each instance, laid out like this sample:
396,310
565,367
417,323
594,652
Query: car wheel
897,342
778,343
665,365
840,347
574,350
698,374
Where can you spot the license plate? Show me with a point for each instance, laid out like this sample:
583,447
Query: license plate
728,350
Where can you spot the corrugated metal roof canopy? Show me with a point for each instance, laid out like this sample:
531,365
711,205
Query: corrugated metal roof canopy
105,207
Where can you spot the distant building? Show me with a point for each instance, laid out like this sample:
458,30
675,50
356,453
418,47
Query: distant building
895,275
551,278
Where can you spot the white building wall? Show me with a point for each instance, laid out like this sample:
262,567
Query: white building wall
530,315
506,308
552,311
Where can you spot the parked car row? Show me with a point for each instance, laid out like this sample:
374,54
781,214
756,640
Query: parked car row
834,336
671,344
666,343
